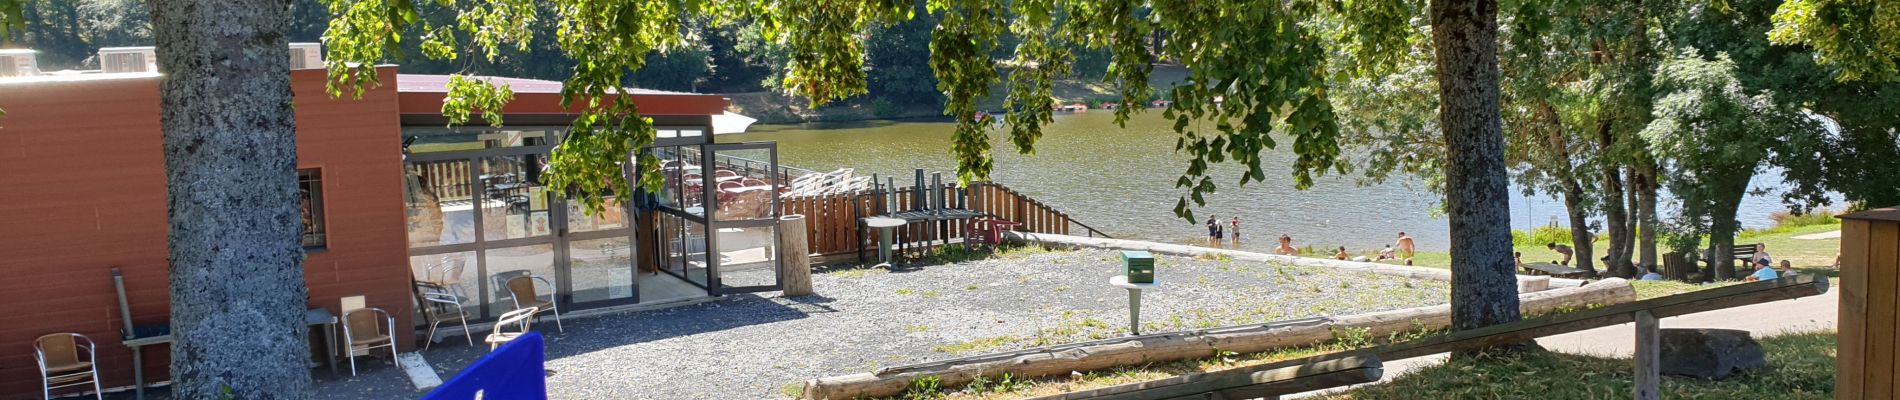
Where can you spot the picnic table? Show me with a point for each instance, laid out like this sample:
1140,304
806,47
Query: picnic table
1555,270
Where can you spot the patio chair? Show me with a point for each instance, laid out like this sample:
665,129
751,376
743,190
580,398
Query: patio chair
439,306
522,319
366,329
526,296
61,365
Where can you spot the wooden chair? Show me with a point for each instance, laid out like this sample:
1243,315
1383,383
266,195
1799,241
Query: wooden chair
367,329
525,296
61,365
522,319
439,305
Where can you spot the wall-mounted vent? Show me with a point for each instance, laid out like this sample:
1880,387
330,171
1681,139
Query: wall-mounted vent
18,62
127,59
306,56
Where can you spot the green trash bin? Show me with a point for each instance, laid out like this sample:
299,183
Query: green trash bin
1140,266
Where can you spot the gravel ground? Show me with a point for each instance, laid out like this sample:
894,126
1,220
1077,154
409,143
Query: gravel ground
753,347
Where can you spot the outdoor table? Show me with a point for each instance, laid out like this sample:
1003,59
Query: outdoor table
885,227
138,358
1134,300
321,316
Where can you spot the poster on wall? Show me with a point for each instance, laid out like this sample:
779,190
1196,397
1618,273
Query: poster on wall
538,224
517,225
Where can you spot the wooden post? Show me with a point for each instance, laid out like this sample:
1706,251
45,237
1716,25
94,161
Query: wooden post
794,256
1648,357
1868,348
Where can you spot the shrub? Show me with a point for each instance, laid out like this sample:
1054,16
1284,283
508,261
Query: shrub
1789,219
1541,235
885,108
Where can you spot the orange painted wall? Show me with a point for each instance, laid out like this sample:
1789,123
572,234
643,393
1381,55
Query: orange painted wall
82,190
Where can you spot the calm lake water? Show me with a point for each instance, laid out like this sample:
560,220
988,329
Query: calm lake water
1121,182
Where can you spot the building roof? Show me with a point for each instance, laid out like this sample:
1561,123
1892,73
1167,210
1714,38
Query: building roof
428,83
422,94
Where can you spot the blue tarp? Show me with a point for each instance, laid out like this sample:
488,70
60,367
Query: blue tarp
513,372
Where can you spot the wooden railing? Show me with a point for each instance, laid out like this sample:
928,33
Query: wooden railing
832,224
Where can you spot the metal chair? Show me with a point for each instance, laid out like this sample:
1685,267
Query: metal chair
525,296
439,306
523,319
366,329
58,355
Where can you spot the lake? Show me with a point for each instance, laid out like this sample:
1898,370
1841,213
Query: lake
1121,181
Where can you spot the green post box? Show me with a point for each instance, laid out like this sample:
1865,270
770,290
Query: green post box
1140,265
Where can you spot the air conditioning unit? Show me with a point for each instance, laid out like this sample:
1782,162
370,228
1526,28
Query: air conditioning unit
127,59
18,62
306,56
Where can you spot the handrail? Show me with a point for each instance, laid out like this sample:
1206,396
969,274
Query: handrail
1092,232
1661,307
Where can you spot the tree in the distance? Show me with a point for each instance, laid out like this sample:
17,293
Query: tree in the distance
229,143
1712,135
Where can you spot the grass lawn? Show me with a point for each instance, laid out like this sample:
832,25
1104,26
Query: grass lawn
1800,366
1812,256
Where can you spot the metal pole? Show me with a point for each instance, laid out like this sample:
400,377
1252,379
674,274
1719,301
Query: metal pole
1134,311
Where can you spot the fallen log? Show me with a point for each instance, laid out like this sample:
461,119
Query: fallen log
1165,347
1525,283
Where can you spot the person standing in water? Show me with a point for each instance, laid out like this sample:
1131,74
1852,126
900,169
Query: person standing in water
1213,229
1236,233
1406,248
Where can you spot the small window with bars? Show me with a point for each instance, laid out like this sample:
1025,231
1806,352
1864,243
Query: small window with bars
310,201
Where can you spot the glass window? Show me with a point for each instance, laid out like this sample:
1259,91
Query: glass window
514,201
677,132
440,203
505,264
310,201
418,139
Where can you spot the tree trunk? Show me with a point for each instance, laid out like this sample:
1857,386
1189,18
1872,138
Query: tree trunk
1722,223
1483,288
1646,216
230,149
1615,216
1579,227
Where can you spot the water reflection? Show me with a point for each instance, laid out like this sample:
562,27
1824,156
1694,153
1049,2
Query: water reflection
1122,181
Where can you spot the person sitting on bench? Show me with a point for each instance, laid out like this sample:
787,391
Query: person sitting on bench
1651,275
1761,255
1560,249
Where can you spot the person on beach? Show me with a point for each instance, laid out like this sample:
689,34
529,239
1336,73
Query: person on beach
1560,249
1387,253
1341,255
1406,248
1651,275
1286,247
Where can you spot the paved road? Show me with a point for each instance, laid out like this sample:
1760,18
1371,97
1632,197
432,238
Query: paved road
1766,319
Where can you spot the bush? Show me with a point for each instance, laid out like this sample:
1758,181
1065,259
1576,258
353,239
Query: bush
1786,219
1541,235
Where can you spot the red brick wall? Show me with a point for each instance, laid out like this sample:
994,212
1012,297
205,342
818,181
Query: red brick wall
82,190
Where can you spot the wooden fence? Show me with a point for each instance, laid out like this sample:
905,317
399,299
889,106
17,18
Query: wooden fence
832,224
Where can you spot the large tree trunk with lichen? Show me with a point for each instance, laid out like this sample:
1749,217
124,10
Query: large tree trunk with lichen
1477,204
237,283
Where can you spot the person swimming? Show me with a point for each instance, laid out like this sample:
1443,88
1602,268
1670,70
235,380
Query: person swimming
1286,247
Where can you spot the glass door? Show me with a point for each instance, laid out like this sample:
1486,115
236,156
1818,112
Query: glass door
600,255
743,217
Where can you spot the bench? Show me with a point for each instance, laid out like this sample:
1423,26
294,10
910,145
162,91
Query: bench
1555,270
1744,252
1244,383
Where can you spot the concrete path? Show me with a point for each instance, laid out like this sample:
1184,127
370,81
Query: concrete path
1820,236
1805,314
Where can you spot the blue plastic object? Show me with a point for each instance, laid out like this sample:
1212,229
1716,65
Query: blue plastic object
516,371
